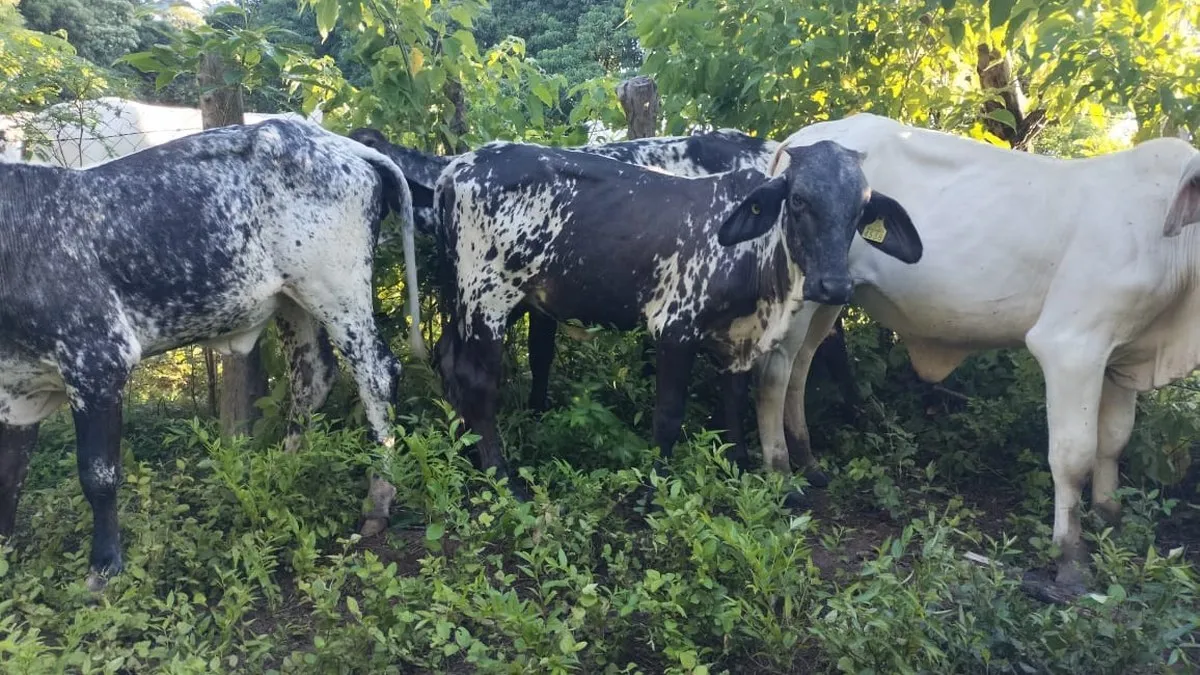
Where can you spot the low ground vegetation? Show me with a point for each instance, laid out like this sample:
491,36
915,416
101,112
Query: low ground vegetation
241,557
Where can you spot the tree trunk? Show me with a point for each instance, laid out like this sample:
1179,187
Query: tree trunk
639,100
243,378
995,75
458,122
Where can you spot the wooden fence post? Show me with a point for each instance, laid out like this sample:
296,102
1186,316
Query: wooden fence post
243,378
639,100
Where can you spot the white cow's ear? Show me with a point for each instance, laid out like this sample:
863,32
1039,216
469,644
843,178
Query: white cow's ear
1185,207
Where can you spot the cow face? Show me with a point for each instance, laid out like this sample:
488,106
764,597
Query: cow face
824,199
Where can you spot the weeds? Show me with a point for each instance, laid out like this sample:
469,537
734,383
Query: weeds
240,557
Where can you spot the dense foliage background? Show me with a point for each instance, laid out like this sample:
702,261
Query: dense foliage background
240,557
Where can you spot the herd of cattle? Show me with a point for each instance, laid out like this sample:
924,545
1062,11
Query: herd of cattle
718,243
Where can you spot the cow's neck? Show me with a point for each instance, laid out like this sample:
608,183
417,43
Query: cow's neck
778,295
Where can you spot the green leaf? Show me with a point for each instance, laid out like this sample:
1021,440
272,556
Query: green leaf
999,11
566,644
1004,117
543,93
352,605
222,10
327,14
164,78
147,62
957,31
462,14
435,531
467,40
1145,6
1014,26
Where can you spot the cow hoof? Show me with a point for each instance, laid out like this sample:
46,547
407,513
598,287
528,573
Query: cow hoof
373,526
520,492
96,582
1070,578
97,578
1039,586
795,500
816,477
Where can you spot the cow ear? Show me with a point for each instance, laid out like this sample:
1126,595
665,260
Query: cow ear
1185,207
756,214
886,226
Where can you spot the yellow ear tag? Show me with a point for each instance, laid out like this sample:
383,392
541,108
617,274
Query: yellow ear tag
875,232
755,209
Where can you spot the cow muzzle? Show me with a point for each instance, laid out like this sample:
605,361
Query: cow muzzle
828,291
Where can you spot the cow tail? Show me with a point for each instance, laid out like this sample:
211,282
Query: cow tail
399,197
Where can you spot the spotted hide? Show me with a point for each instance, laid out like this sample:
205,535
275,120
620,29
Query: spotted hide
699,154
203,239
577,236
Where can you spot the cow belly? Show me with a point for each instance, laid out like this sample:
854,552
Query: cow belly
983,324
29,390
592,304
231,326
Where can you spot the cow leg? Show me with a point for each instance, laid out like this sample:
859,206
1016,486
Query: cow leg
542,330
795,424
1073,391
312,368
16,445
1118,408
95,377
673,369
347,316
648,348
735,395
471,371
833,353
98,454
775,372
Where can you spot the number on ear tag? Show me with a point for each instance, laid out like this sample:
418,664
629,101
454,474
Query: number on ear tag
875,232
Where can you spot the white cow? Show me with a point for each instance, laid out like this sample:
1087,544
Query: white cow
1065,257
86,133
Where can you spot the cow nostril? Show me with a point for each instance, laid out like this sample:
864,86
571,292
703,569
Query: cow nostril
836,290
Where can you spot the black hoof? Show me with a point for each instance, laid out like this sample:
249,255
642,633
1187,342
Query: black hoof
816,477
1039,586
795,500
520,491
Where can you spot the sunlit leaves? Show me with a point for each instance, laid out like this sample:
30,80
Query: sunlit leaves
37,70
420,54
772,66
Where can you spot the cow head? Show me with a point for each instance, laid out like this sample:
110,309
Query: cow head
421,170
824,198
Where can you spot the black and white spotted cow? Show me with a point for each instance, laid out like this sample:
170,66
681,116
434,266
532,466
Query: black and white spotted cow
699,154
203,239
704,263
